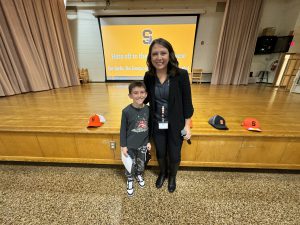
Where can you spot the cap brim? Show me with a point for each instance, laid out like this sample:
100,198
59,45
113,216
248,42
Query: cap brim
101,118
222,128
254,129
219,127
95,125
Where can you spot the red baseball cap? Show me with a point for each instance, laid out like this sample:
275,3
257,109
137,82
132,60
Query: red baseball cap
251,124
94,121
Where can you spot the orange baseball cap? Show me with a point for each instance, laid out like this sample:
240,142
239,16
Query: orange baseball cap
94,121
251,124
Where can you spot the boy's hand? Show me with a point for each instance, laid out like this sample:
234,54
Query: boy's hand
124,151
149,147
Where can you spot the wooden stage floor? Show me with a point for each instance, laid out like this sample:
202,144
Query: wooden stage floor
67,110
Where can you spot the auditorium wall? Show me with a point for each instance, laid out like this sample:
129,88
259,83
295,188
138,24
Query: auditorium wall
87,40
283,16
87,43
275,13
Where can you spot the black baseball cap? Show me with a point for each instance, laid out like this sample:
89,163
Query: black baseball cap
218,122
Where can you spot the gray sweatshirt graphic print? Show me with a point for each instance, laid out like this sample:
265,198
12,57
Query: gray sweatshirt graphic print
134,130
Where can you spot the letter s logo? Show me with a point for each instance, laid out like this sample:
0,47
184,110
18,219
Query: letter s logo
147,37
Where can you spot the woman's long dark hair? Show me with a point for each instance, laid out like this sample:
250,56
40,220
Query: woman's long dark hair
173,62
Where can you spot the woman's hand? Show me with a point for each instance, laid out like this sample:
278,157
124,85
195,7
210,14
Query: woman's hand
124,151
187,128
188,135
149,146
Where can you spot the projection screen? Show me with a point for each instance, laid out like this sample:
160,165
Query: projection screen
126,42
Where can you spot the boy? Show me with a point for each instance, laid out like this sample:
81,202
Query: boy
134,134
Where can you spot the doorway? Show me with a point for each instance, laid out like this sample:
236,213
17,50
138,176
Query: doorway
289,65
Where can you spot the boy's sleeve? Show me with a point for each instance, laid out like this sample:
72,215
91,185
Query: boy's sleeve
123,131
149,125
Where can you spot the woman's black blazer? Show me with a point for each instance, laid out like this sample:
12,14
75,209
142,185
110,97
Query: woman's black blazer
180,105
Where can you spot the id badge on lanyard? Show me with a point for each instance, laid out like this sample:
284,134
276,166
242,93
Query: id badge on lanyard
163,125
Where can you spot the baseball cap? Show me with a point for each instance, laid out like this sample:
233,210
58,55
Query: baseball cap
251,124
218,122
96,121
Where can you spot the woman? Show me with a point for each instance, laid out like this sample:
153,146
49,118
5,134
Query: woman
169,96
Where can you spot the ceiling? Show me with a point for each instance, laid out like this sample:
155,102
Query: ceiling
111,7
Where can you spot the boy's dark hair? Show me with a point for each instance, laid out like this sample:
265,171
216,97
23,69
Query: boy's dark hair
134,84
173,62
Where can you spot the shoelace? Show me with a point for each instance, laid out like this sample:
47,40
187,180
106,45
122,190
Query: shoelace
140,178
130,184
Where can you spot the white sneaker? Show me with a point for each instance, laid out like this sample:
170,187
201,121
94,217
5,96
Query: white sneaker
140,180
130,188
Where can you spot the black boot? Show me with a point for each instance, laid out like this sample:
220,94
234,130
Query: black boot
172,177
162,174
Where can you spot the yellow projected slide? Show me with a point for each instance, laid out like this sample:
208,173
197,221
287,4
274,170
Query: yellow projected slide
126,47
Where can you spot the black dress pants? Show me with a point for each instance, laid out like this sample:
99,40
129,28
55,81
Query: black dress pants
165,146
